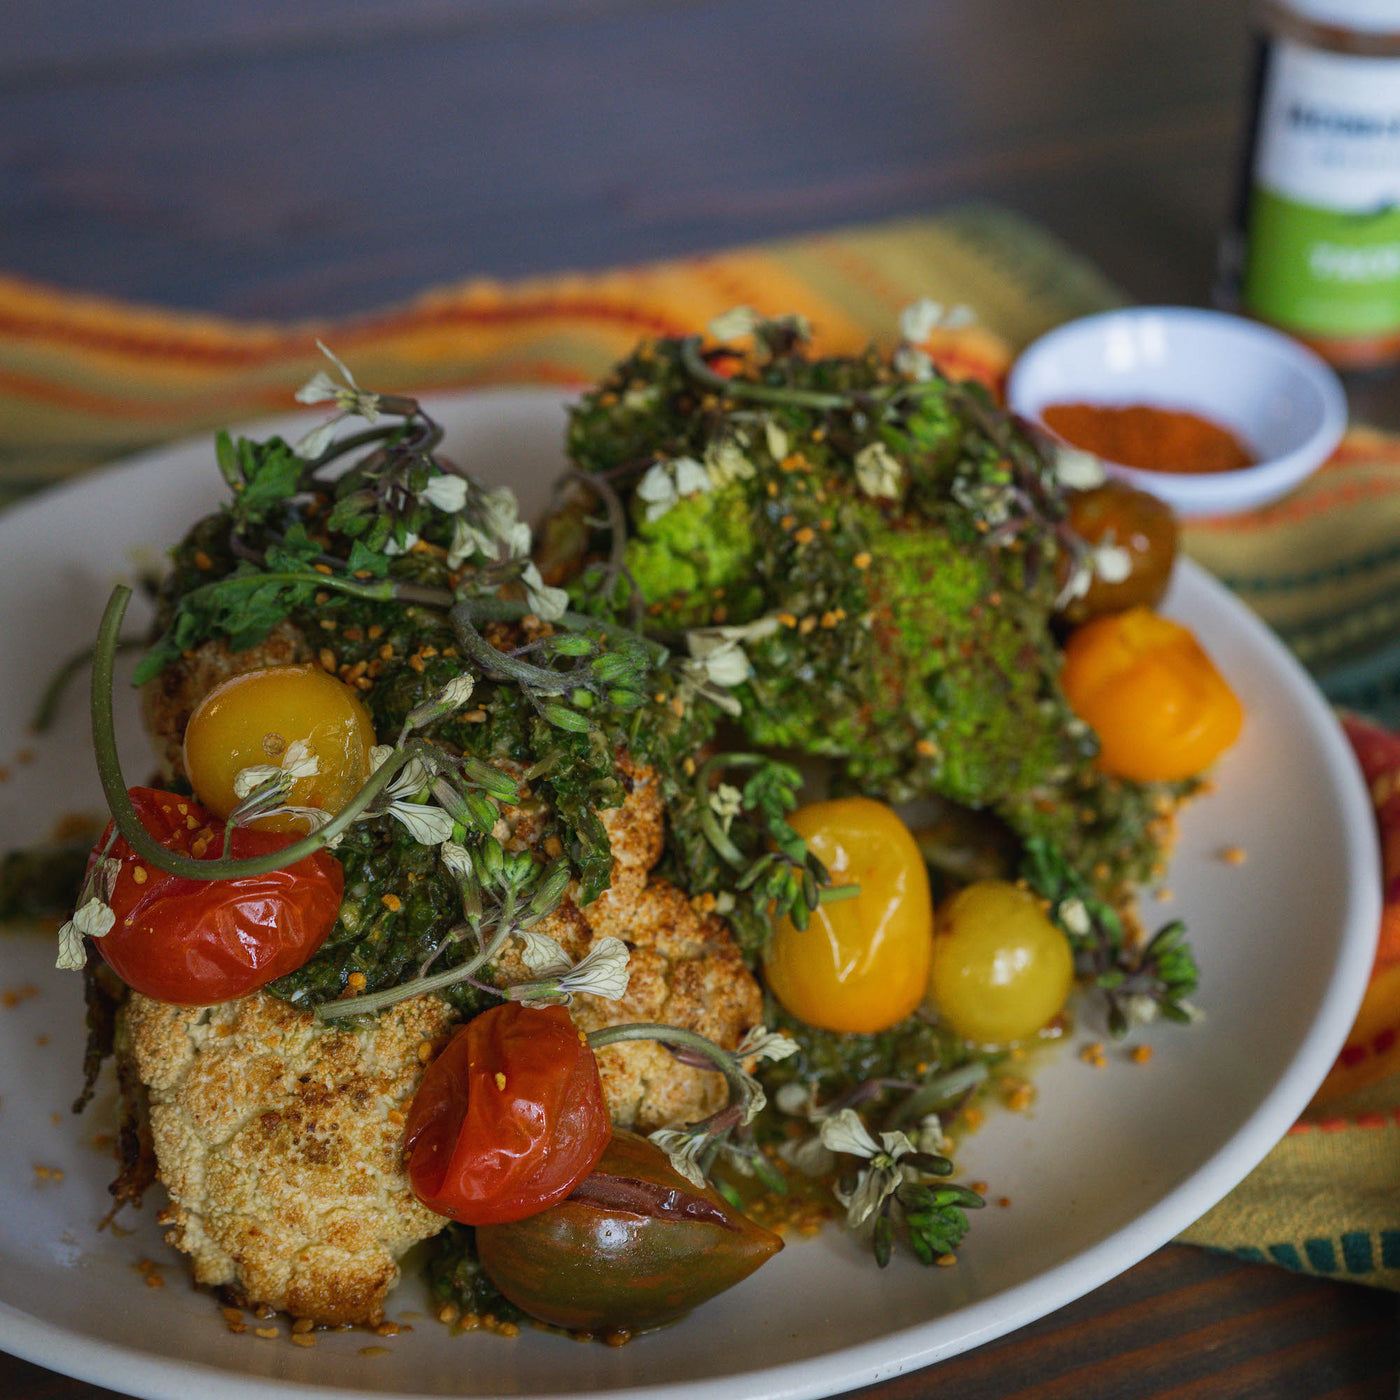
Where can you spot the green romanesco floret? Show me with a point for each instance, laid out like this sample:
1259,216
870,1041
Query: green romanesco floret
696,552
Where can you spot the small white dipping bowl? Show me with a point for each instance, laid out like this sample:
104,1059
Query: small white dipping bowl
1281,401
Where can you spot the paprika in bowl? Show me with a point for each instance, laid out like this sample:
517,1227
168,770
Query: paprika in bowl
1212,413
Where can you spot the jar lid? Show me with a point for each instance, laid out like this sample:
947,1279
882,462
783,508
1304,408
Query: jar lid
1374,16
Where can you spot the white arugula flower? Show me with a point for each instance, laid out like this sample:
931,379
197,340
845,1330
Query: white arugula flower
348,397
452,697
94,919
921,318
658,489
665,483
726,802
682,1148
734,324
718,662
547,603
762,1044
913,362
429,825
930,1138
726,462
456,860
776,438
1074,916
1109,561
447,492
468,541
724,662
262,789
602,972
501,513
879,472
542,954
299,761
496,532
1078,470
880,1178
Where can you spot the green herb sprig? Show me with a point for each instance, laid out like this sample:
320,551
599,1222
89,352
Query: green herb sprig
1137,984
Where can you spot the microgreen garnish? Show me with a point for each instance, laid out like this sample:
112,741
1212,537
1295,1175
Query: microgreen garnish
891,1191
300,539
694,1148
1138,984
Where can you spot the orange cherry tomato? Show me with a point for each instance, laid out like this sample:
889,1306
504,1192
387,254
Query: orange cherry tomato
508,1119
861,964
1150,692
199,942
254,718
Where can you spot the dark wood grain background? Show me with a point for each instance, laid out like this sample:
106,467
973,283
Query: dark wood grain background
275,160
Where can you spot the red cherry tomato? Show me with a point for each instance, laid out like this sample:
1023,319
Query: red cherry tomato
198,942
509,1117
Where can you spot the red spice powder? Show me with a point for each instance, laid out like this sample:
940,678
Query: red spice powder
1156,439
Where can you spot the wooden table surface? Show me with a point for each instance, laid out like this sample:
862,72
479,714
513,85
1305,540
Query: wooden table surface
271,160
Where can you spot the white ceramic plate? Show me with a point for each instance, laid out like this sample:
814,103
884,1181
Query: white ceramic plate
1109,1164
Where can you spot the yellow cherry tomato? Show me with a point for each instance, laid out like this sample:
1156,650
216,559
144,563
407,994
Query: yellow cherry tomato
1147,688
254,718
1001,970
861,964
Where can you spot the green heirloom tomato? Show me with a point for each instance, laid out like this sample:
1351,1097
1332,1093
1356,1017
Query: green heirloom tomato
634,1246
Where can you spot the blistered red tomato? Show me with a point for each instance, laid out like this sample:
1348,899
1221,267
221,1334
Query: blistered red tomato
198,942
509,1117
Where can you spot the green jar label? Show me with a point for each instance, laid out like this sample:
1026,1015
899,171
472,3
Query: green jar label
1323,272
1322,253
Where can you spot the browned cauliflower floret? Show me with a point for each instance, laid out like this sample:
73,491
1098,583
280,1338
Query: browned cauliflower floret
685,970
280,1143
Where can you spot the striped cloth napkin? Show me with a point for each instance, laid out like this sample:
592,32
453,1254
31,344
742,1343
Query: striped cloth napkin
84,380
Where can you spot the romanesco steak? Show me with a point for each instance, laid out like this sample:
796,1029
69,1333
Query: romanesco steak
888,552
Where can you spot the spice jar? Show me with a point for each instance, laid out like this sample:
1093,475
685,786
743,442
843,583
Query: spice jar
1315,247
